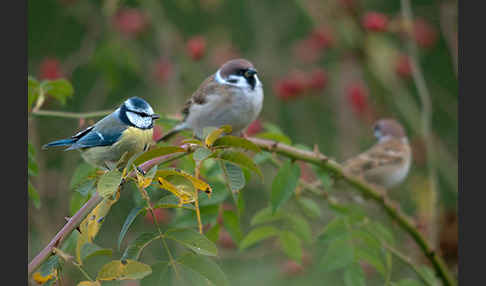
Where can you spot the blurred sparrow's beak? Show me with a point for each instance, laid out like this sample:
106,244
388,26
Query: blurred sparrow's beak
155,116
250,72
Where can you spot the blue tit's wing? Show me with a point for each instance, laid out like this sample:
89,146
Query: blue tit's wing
105,132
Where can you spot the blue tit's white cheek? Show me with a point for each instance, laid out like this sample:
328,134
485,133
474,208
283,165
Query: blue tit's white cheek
139,121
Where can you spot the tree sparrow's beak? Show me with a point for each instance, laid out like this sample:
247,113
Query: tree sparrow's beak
155,116
250,73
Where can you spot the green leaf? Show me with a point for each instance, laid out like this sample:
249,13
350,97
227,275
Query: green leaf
334,230
339,254
370,250
33,195
309,207
213,233
218,195
354,276
265,216
234,176
33,90
201,153
241,160
381,232
90,250
77,201
429,274
291,245
279,137
262,157
135,248
237,142
160,275
86,188
82,174
284,184
157,152
109,183
49,265
123,269
258,234
206,267
193,240
60,89
132,215
231,223
300,227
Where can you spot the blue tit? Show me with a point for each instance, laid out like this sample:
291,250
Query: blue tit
127,130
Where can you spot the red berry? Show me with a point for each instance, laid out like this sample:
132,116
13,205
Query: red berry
321,38
358,97
162,215
317,79
225,240
254,128
374,21
130,21
425,35
292,268
403,67
162,70
50,69
291,86
196,47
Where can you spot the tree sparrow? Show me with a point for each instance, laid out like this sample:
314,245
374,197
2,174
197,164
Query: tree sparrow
386,163
232,96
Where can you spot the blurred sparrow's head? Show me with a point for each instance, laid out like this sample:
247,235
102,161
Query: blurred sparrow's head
239,73
385,129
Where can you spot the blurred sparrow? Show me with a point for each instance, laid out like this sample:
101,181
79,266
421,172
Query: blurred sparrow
232,96
386,163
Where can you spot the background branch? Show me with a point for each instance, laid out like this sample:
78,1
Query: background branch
368,191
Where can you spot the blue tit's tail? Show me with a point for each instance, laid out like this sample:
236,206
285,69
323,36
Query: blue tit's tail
63,142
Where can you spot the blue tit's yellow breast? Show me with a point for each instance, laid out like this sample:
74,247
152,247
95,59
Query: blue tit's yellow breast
132,141
135,139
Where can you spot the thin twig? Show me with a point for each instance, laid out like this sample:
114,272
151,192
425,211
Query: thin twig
407,261
74,115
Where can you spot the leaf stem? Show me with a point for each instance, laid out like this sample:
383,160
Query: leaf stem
196,202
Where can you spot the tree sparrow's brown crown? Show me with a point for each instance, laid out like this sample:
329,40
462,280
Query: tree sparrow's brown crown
388,128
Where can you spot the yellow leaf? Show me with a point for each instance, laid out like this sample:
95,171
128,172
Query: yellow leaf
185,196
124,269
192,141
37,276
197,183
91,225
89,283
216,133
